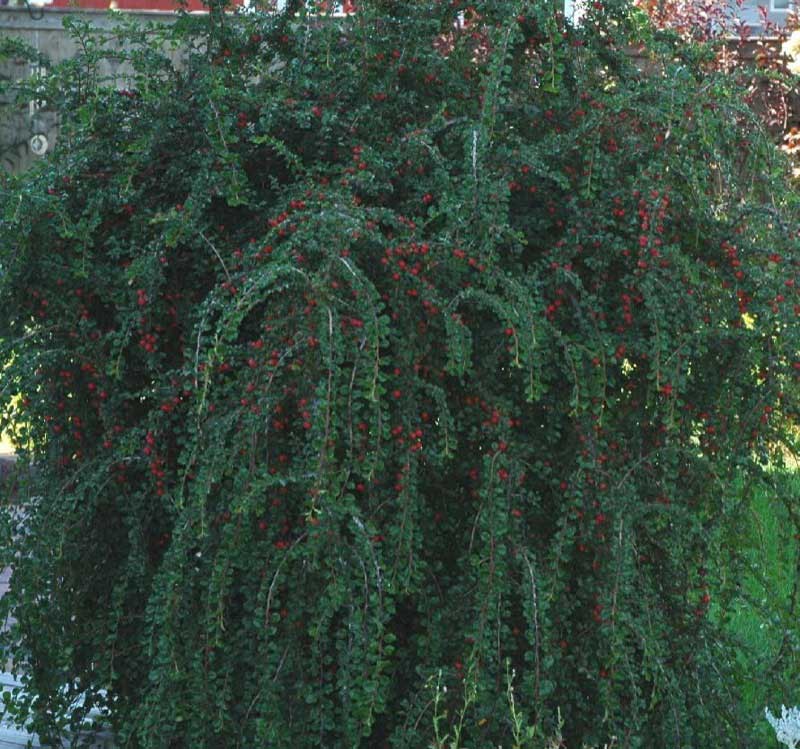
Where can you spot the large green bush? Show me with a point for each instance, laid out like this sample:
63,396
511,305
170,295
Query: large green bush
377,370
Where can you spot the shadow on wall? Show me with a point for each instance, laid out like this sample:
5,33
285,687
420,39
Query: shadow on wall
8,463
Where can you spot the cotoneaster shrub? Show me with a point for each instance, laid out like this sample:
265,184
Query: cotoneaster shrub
370,364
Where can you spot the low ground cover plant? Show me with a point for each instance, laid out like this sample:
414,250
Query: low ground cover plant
396,379
787,727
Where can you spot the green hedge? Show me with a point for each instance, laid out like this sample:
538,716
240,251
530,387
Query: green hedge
380,369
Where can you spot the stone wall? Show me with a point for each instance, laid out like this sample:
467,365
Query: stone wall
29,131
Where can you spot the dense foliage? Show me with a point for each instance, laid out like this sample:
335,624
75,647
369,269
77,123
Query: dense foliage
756,57
396,380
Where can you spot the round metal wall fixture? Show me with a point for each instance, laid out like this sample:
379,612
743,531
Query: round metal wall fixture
38,144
